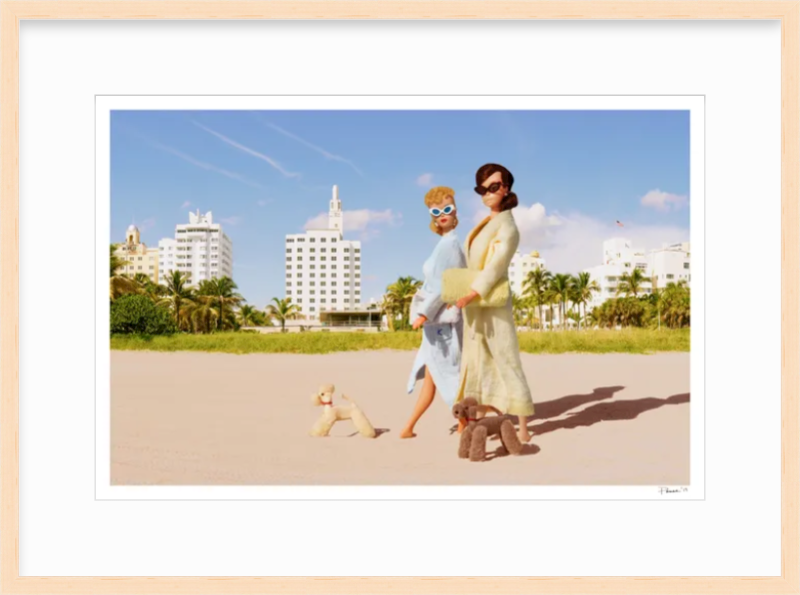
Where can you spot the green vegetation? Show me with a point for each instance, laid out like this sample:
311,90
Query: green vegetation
177,317
134,313
591,341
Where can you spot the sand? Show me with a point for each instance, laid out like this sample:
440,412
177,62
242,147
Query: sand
223,419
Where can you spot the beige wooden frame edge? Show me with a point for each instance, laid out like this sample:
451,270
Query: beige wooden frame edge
11,12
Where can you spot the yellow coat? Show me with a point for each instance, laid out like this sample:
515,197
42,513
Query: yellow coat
491,370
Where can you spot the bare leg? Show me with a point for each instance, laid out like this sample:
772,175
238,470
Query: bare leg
423,402
524,435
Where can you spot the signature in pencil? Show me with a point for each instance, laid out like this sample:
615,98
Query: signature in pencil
681,490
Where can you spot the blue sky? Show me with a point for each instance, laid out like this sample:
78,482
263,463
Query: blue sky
266,174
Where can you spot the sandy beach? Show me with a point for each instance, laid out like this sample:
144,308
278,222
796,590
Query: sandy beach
212,418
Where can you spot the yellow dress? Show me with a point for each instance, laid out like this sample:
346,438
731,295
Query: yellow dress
491,370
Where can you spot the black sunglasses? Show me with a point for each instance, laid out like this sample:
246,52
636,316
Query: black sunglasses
491,188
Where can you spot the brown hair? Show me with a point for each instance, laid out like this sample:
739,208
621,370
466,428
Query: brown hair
434,196
510,200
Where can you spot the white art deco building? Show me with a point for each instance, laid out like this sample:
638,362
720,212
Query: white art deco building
669,264
200,248
521,265
323,270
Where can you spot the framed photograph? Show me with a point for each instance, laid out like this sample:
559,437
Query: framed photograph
309,287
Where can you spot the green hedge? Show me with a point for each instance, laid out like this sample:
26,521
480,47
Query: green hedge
137,314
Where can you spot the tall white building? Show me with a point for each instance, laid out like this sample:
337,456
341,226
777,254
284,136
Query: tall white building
200,248
323,270
619,258
521,265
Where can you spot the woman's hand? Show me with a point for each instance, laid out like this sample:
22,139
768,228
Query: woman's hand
421,319
464,301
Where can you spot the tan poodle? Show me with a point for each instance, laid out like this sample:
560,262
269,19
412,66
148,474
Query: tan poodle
330,414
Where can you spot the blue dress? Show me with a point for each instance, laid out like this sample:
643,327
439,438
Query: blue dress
442,333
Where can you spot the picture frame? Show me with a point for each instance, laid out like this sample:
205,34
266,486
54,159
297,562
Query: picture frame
787,11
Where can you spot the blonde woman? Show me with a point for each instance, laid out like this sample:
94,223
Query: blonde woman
491,369
439,357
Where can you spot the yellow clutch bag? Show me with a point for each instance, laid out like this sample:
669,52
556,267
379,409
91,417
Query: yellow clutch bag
456,283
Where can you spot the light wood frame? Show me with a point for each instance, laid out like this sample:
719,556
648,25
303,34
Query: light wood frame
12,12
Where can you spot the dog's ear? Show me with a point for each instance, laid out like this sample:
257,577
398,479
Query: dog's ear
315,400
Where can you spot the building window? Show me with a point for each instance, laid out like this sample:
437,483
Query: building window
312,239
313,249
288,250
670,276
322,240
311,300
322,266
333,249
347,249
289,240
312,266
322,258
685,265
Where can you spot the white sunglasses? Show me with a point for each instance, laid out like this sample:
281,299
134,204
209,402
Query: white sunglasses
445,211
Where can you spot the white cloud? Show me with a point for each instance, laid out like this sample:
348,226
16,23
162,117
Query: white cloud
425,180
362,220
574,242
186,204
147,224
664,201
235,220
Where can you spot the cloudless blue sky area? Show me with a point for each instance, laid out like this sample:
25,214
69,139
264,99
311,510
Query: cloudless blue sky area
262,182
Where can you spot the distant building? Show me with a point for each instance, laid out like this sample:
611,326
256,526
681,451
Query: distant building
200,248
323,270
139,258
671,264
521,265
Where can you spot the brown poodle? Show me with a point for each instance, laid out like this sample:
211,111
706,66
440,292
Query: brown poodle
479,428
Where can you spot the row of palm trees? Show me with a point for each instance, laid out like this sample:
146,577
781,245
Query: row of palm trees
548,297
214,305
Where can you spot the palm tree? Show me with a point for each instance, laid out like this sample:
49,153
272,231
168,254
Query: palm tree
559,291
203,314
583,288
631,283
249,316
283,310
119,283
224,299
178,296
535,286
518,307
400,293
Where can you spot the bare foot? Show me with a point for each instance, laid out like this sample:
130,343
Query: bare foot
407,434
523,435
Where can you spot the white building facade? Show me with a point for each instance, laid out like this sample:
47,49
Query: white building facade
323,270
671,264
521,265
619,258
200,248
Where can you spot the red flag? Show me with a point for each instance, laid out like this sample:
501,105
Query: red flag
620,224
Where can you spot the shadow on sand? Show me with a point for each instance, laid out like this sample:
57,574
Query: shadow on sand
612,411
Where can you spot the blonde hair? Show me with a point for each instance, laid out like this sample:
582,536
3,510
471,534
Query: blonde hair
435,196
